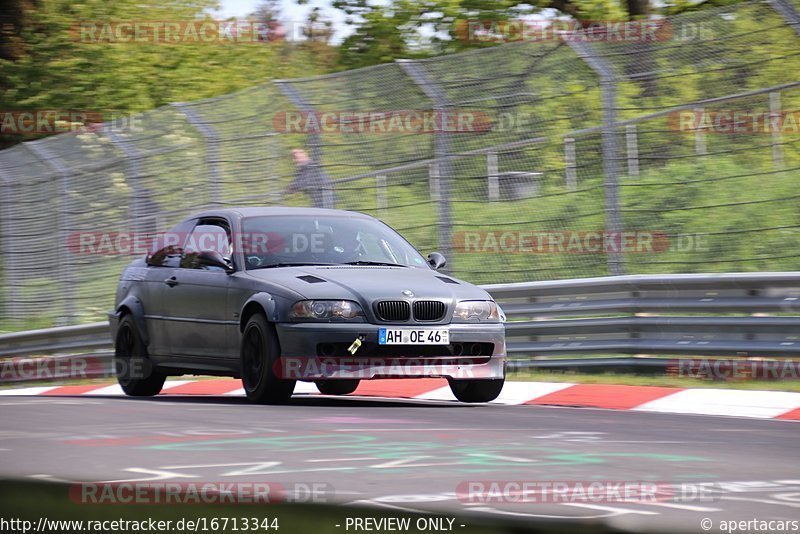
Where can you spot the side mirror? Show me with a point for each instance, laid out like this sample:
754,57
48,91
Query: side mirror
436,260
212,258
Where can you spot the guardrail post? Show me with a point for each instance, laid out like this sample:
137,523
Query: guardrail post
64,223
610,148
212,148
441,151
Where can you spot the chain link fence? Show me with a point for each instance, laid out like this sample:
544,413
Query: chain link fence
534,160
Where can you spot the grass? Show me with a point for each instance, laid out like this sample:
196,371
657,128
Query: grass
31,500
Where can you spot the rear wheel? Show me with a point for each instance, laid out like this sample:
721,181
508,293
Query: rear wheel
135,372
337,387
476,390
260,352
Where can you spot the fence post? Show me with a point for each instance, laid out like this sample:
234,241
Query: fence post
493,181
7,249
441,150
314,138
787,11
571,161
212,148
433,182
777,138
64,224
610,148
699,132
138,208
380,193
632,142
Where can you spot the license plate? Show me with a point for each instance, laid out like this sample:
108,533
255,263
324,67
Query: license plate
413,336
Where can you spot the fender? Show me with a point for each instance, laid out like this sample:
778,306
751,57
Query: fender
137,310
266,301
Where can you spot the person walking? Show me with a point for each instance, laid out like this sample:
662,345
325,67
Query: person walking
309,178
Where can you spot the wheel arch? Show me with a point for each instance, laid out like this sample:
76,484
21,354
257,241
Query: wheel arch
258,303
131,305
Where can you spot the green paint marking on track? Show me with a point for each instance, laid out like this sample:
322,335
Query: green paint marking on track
296,443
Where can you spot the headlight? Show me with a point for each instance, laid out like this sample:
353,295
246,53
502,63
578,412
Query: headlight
325,310
472,311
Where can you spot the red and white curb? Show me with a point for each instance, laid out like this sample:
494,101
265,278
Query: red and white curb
698,401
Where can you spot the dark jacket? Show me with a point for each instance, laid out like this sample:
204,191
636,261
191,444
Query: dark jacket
311,179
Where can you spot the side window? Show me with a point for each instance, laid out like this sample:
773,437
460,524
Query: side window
167,247
207,235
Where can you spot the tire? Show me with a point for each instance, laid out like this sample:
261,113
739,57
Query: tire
135,372
337,387
259,353
476,390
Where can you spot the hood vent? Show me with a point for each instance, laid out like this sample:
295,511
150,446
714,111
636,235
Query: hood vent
311,279
447,280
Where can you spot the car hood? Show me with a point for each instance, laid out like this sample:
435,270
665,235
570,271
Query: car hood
368,283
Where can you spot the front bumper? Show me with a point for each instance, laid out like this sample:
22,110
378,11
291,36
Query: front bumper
302,359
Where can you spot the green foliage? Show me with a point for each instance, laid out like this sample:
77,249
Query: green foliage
56,69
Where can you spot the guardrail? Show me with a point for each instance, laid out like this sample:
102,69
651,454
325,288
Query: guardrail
699,314
54,340
684,314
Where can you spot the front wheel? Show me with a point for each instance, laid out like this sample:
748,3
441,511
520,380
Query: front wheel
259,353
337,387
476,390
135,372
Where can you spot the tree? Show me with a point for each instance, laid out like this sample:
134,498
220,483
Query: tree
45,64
318,29
411,28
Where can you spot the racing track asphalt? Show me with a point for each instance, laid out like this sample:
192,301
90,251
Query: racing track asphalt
413,455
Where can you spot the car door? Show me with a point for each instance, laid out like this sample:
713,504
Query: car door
161,262
196,295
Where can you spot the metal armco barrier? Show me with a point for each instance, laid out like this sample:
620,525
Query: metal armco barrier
737,314
655,314
63,339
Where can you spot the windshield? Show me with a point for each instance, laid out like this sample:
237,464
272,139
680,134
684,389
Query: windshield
275,241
